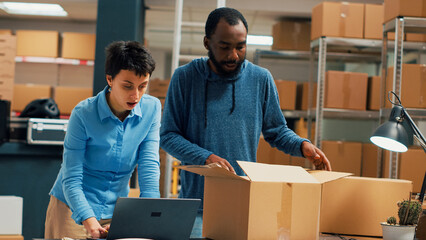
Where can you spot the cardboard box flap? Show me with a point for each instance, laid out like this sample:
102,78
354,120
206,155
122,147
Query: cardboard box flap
326,176
211,170
276,173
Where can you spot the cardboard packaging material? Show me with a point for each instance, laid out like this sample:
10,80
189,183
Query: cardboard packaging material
11,215
357,205
6,95
5,32
270,155
37,43
369,160
78,45
346,90
373,97
272,202
158,88
25,93
338,19
68,97
413,85
344,156
301,128
373,21
406,8
291,35
303,96
415,37
287,94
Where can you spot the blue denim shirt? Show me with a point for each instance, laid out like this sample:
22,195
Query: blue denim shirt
101,152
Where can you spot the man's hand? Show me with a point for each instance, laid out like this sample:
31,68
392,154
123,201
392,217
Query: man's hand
220,161
95,229
316,156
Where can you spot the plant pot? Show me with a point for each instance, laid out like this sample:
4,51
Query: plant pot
398,232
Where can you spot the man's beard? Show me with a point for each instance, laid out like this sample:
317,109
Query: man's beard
221,71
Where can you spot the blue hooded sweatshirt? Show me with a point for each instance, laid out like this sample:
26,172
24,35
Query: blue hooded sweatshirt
206,114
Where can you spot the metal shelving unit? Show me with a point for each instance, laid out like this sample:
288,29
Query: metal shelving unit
400,26
356,50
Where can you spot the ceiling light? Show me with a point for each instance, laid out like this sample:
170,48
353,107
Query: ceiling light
41,9
259,40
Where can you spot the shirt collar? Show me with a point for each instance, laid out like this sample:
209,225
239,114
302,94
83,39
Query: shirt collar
105,111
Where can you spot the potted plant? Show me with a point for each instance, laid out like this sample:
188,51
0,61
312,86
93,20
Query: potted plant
408,213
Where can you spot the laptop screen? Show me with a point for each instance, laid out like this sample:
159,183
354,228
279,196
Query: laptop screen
153,218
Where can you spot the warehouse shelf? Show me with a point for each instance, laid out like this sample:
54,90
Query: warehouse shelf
400,26
29,59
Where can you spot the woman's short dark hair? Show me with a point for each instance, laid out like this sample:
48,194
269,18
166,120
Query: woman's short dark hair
232,17
128,55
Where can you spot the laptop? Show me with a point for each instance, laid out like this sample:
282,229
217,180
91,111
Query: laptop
153,218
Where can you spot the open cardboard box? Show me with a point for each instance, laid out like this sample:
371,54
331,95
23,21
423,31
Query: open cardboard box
271,202
278,201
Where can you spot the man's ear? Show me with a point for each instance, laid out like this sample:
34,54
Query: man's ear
206,42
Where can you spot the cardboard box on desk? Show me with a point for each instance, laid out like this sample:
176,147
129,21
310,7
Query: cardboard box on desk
273,201
333,19
11,215
357,205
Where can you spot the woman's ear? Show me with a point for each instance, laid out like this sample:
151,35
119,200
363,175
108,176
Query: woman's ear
109,80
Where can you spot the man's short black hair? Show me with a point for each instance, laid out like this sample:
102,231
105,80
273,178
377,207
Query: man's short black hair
231,16
129,55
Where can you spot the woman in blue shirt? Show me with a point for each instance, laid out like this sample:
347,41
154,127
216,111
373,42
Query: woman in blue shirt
107,137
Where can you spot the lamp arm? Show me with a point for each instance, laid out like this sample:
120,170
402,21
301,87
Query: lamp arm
416,130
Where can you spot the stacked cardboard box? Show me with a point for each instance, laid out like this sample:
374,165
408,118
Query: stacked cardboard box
411,166
346,90
303,95
7,66
291,35
68,97
158,88
369,160
344,156
287,94
78,45
413,85
338,19
406,8
37,43
373,21
373,98
23,94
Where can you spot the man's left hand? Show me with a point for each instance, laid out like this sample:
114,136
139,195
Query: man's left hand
316,156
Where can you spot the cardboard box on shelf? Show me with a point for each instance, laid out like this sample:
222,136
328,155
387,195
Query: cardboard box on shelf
301,128
68,97
344,156
6,82
272,202
303,95
346,90
6,95
270,155
413,85
291,35
23,94
369,160
412,167
373,97
158,88
7,50
78,45
11,215
287,94
373,21
37,43
338,19
406,8
415,37
357,205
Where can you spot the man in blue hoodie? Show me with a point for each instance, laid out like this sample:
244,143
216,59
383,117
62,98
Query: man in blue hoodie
217,107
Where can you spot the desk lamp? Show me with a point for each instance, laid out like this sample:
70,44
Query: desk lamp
393,136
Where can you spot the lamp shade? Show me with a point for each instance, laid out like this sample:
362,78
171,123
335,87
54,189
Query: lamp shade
391,136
